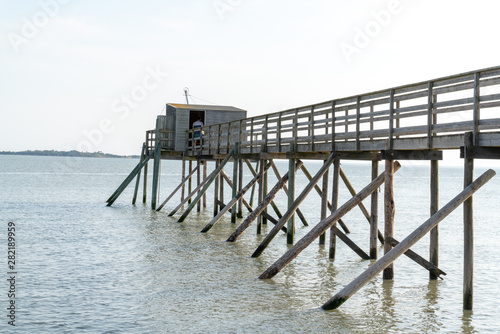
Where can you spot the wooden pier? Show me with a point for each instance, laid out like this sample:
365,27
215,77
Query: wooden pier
411,122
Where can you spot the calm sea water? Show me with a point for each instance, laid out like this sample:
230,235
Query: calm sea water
87,268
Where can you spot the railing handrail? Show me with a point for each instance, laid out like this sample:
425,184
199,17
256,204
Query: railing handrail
412,111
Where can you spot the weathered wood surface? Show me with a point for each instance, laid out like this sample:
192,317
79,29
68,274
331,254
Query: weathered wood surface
320,193
322,226
138,180
182,184
406,243
293,207
127,180
436,272
260,208
360,205
434,234
389,212
208,182
374,232
235,199
315,128
285,189
468,287
349,243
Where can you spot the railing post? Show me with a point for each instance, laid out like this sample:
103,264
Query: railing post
311,127
333,126
391,119
358,117
430,118
279,133
476,113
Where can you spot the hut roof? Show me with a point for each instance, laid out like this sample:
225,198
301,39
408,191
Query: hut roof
204,107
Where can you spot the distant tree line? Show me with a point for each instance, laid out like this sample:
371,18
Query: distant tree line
73,153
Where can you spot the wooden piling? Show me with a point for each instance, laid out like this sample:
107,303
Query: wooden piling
183,191
240,188
361,205
389,212
205,187
216,190
182,184
290,227
138,181
407,243
294,206
190,195
322,226
374,215
190,182
235,183
285,189
127,180
145,183
434,234
468,288
205,167
262,205
235,199
324,202
198,181
260,196
335,201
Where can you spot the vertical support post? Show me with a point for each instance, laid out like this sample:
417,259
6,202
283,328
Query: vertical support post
204,178
324,204
476,115
145,184
156,176
198,181
216,190
260,196
252,195
183,191
190,181
291,198
136,190
335,203
264,190
235,182
434,234
240,188
221,191
374,215
389,213
468,227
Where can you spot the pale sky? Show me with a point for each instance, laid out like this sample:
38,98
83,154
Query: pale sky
92,75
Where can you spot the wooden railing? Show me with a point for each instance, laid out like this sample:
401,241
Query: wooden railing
166,139
427,115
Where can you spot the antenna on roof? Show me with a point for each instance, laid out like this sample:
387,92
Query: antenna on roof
186,91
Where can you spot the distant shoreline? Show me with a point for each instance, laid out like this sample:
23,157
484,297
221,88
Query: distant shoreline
53,153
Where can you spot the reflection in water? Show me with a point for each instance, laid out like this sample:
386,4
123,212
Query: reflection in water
467,326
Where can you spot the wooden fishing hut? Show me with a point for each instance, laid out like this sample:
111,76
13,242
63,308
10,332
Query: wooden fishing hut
411,122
